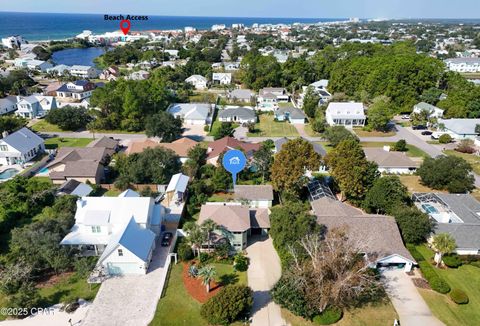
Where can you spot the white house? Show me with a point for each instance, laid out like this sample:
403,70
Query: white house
83,71
431,110
58,70
198,81
241,114
290,114
241,95
38,65
221,78
8,104
13,42
463,64
35,106
122,230
460,128
192,113
391,162
177,189
257,196
320,85
20,147
78,90
139,75
269,97
348,114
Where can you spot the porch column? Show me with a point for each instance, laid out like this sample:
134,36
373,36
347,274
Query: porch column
96,250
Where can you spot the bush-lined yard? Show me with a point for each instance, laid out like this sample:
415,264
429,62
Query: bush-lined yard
465,278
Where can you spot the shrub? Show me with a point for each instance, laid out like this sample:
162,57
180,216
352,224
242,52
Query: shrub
206,128
228,305
458,296
240,263
185,251
288,296
436,283
445,139
465,146
84,265
452,261
475,263
414,252
400,146
329,316
204,257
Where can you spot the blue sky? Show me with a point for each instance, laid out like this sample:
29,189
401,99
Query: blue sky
259,8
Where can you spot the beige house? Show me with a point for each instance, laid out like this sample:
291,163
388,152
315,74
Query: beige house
260,196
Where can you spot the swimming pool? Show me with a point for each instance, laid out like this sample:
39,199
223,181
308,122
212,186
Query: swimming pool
8,173
43,170
429,209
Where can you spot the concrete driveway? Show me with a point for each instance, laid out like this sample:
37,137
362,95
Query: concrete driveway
264,271
408,303
130,299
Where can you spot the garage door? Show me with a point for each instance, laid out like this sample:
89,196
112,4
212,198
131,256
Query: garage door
124,268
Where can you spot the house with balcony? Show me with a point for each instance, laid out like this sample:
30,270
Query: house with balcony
83,71
77,90
347,114
121,230
35,106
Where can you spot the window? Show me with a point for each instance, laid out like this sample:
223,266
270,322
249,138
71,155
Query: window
3,148
96,229
120,252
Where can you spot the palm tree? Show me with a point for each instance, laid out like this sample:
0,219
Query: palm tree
443,243
208,226
195,235
207,275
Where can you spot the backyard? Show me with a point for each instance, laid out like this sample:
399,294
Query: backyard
466,278
473,159
177,307
57,142
268,127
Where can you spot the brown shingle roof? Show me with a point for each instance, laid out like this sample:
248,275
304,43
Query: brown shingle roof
326,206
68,154
104,141
180,146
252,192
389,159
234,218
260,218
221,145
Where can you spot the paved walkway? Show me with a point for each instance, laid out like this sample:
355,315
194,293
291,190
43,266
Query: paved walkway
131,299
264,271
408,303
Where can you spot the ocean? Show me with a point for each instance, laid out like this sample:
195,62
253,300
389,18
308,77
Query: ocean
44,26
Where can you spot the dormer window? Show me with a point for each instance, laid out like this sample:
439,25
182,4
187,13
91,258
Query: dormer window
120,252
96,229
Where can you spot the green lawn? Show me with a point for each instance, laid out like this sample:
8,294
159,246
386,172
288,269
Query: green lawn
112,193
221,197
216,125
466,278
177,307
412,150
268,127
363,133
57,142
310,132
474,160
72,287
371,315
44,126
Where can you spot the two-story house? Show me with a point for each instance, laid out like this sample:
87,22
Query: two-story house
83,71
8,104
121,230
35,106
77,90
20,147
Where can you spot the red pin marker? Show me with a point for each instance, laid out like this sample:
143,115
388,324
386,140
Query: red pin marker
125,26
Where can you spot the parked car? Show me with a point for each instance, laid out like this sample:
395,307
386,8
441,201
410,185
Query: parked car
167,239
419,127
427,133
405,117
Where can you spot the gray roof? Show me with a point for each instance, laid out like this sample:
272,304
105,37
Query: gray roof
386,159
466,207
23,140
234,218
427,107
239,112
316,147
254,192
190,111
242,94
467,236
136,239
74,187
461,126
292,112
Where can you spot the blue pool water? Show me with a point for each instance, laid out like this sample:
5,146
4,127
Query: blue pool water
43,170
8,173
429,209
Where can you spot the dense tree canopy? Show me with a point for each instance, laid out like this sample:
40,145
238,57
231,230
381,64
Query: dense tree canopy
11,123
414,225
69,118
351,170
450,173
386,194
379,114
164,125
290,164
337,134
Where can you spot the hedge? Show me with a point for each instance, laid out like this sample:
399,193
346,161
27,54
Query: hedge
458,296
414,252
329,316
452,261
435,281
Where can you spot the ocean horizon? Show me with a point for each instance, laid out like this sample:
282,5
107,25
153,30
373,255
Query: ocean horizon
56,26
